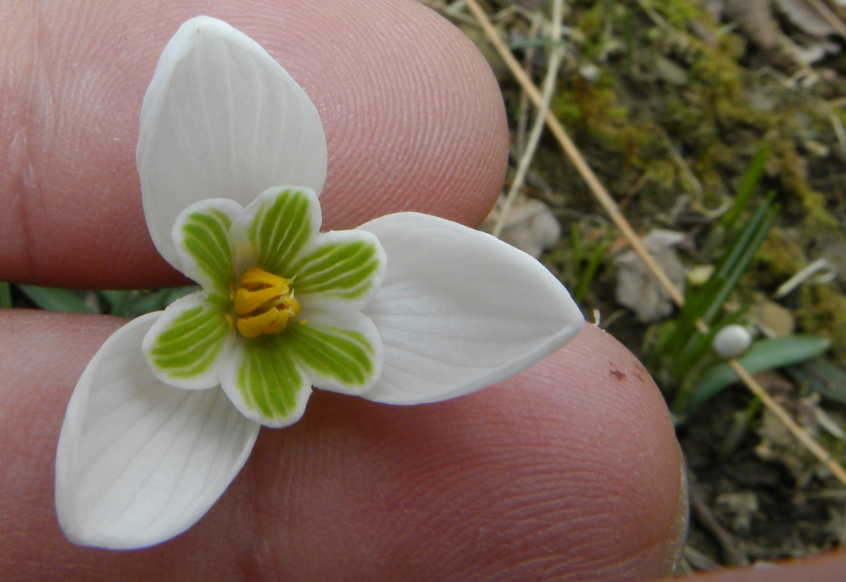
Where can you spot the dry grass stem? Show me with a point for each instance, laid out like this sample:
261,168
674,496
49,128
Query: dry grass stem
604,198
830,16
549,84
806,439
523,121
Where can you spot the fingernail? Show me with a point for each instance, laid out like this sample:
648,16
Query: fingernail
678,535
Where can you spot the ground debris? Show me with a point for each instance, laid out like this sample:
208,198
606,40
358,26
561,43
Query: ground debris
638,289
530,225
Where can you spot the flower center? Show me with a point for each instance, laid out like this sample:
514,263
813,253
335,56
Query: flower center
263,303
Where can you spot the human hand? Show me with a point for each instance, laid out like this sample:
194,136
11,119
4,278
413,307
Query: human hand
570,468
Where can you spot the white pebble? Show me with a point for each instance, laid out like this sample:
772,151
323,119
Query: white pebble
732,341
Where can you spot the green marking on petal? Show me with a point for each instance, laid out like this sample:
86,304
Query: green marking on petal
280,228
340,354
268,378
337,269
205,237
191,342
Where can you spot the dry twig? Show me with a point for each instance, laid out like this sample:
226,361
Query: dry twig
543,108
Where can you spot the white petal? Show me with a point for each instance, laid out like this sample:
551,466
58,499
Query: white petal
221,119
460,310
138,461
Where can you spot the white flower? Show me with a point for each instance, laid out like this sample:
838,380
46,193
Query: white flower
406,309
732,341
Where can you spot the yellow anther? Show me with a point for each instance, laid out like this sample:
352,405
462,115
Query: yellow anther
255,277
264,303
248,301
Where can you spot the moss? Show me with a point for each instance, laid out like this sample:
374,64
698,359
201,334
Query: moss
793,174
823,311
782,254
711,121
679,14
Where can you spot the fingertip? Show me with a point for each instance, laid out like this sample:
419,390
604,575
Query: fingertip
412,114
569,469
627,470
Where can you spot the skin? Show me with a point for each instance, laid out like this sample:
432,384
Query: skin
568,469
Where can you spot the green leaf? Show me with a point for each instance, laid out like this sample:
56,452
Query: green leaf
117,300
821,376
764,355
190,342
708,301
52,299
131,304
748,185
5,295
593,265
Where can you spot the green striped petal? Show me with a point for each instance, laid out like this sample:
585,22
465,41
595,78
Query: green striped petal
185,345
264,382
201,236
340,272
342,353
272,231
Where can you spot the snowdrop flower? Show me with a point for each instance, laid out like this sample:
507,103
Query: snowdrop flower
732,341
406,309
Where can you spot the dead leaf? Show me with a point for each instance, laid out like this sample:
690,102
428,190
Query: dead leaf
755,18
530,225
637,287
807,16
737,509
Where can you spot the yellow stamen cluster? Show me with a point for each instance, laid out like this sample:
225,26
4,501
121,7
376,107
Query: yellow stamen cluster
263,303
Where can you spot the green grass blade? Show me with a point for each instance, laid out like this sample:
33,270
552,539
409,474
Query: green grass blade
739,267
589,272
51,299
706,303
146,302
748,184
5,295
117,300
764,355
699,345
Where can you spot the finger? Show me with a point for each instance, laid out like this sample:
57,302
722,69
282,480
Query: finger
412,115
828,567
570,469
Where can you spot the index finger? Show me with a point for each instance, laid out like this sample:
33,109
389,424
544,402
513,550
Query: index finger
412,115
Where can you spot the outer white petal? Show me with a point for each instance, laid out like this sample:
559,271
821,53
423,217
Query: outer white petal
221,119
460,310
138,461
